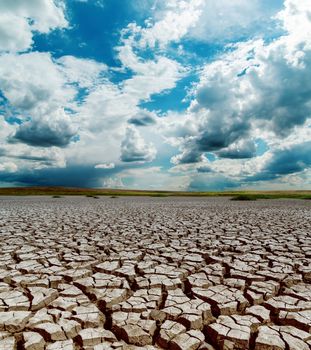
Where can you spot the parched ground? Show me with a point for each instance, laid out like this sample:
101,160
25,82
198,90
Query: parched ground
154,273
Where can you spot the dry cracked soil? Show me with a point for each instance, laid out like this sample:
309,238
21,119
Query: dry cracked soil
154,273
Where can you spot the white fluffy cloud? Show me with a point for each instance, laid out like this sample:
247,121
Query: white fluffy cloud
85,72
150,76
41,91
175,21
33,82
19,19
105,166
207,20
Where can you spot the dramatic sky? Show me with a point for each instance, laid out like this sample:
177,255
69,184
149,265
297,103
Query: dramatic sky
156,94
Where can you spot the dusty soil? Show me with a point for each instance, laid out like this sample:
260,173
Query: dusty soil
154,273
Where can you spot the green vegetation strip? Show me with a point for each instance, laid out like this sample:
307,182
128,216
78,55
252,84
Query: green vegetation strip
93,193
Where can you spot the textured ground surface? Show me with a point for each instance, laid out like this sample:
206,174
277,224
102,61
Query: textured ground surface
154,273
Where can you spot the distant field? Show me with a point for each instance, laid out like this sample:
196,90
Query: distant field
65,191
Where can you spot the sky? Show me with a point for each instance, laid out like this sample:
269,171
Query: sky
188,95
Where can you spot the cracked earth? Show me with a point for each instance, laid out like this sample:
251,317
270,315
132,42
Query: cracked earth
154,273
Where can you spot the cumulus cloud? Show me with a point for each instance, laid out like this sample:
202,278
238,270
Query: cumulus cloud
150,76
176,19
255,85
135,149
38,89
85,72
188,156
60,115
54,130
20,19
284,161
239,150
208,21
33,82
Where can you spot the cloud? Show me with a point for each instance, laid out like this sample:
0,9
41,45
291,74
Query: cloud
65,116
284,161
151,76
204,169
54,130
70,176
135,149
239,150
8,167
188,156
175,21
211,182
33,82
113,182
37,158
229,20
20,19
208,21
42,92
143,118
105,166
85,72
255,86
139,178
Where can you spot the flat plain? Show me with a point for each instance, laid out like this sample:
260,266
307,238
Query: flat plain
154,273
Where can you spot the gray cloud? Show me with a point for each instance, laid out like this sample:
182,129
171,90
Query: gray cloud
256,85
143,118
71,176
204,169
135,149
189,156
283,93
240,150
45,133
285,161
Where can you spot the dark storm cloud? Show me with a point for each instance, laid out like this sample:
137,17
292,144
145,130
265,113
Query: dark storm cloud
212,139
71,176
286,161
40,133
216,136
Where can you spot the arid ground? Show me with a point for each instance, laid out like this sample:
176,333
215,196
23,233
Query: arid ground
154,273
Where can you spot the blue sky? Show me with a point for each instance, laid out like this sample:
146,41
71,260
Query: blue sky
153,94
